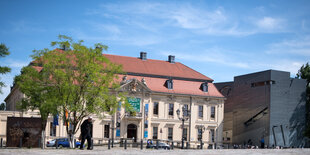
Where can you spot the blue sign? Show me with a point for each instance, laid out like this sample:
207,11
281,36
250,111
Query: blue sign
55,120
118,133
145,134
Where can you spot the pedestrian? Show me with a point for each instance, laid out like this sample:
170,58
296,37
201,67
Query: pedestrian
262,143
86,133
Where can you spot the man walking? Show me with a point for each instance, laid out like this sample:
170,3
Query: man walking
86,133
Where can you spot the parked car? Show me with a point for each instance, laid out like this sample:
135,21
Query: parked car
51,143
161,145
62,142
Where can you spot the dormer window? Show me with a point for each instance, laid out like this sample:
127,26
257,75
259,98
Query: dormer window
169,84
204,87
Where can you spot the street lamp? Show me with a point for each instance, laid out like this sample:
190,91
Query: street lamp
185,117
201,129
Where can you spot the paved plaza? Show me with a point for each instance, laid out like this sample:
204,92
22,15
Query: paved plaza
135,151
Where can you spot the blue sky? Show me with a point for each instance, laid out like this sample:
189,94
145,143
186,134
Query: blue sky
220,39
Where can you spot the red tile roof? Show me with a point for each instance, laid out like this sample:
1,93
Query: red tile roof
179,86
156,67
149,68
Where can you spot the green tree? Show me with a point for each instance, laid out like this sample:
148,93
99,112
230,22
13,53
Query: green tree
40,94
4,51
304,73
76,80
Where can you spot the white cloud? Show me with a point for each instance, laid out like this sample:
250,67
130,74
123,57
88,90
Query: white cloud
267,22
17,63
298,46
213,55
23,26
270,24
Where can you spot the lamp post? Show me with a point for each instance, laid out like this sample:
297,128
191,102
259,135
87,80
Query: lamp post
202,129
183,118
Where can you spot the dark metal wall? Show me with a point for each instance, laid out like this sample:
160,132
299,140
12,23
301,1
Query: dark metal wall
23,130
265,105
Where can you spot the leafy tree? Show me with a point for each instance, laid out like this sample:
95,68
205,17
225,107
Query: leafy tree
40,94
2,106
304,73
73,80
4,51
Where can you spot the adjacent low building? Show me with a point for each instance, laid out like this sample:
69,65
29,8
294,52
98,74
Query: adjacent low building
268,106
158,91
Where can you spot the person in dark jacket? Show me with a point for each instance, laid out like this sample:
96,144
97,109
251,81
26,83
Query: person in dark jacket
87,132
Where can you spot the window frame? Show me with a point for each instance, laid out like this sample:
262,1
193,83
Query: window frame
155,136
170,134
155,108
171,109
200,111
212,114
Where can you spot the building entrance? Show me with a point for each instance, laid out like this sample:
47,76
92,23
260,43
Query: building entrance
132,131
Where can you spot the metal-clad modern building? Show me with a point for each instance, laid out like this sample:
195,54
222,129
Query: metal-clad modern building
268,105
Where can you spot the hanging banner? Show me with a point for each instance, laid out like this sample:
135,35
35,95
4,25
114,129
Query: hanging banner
135,103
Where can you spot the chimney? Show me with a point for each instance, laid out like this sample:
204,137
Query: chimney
143,55
171,59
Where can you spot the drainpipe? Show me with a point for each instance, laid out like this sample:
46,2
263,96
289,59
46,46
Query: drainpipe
143,116
190,118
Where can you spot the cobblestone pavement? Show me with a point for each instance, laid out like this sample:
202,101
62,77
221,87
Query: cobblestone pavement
135,151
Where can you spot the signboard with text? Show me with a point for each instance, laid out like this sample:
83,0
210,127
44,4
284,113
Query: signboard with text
135,103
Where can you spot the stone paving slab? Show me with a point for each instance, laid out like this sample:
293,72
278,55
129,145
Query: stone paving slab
135,151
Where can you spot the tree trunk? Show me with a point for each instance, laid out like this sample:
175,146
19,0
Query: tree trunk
43,126
43,139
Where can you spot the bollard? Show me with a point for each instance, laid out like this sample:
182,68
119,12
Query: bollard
121,143
125,144
187,145
109,143
141,144
56,143
39,142
172,145
1,143
201,144
74,143
157,145
20,142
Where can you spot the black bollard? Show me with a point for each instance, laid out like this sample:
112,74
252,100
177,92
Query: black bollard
39,142
109,143
74,143
157,143
187,145
125,144
56,143
172,145
201,144
141,144
1,143
20,142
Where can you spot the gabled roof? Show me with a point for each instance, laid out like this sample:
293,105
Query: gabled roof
156,67
179,86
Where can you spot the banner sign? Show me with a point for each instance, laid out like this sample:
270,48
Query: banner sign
135,103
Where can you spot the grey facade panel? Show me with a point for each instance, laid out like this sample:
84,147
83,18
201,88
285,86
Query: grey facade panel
265,105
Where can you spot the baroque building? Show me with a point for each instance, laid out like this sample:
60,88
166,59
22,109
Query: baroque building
161,93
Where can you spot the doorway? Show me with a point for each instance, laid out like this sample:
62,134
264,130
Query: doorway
132,131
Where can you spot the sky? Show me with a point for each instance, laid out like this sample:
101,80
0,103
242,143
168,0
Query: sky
220,39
